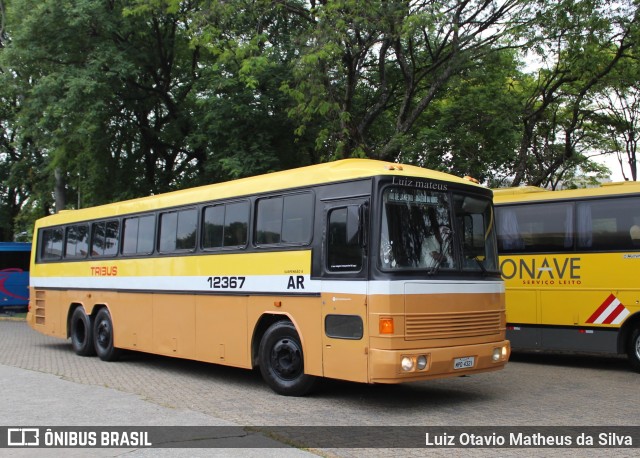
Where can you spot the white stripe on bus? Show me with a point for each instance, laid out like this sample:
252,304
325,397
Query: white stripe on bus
605,314
277,284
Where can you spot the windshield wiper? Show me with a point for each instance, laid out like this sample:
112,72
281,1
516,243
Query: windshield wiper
481,265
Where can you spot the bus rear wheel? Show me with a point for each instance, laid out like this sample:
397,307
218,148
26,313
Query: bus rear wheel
633,351
282,361
103,336
82,333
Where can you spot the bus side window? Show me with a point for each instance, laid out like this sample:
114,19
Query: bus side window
104,238
285,219
344,253
608,223
138,235
51,244
297,218
77,241
269,221
225,225
178,230
509,235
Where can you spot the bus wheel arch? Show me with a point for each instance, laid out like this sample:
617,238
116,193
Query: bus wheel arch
280,357
629,341
80,329
103,335
261,327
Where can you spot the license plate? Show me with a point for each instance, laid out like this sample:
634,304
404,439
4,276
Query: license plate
464,363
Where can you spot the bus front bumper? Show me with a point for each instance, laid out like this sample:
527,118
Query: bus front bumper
398,366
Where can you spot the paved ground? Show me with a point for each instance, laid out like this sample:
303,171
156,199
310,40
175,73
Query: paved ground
532,390
65,402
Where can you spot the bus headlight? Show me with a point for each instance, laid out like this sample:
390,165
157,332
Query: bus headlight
500,354
421,362
407,363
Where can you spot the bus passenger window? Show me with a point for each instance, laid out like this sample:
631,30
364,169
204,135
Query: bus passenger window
138,235
213,230
104,238
77,241
111,238
51,244
269,221
610,221
225,225
535,228
236,224
344,253
178,230
285,219
297,218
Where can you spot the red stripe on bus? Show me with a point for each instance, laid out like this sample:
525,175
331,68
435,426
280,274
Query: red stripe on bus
613,315
602,308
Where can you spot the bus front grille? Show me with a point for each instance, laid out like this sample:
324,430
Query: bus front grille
420,326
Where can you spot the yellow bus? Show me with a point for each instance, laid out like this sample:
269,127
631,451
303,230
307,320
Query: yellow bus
322,271
571,264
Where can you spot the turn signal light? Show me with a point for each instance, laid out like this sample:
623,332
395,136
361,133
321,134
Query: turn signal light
386,325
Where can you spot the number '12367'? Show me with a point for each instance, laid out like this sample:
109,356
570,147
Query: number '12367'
225,282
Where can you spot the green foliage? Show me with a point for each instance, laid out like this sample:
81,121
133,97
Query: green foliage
132,97
472,128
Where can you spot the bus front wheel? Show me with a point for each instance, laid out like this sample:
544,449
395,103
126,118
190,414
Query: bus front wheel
103,336
282,361
633,352
82,333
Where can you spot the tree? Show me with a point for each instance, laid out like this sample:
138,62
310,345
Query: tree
472,127
22,185
369,70
112,100
112,95
579,44
618,110
127,102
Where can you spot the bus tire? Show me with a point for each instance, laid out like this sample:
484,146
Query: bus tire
633,350
103,336
82,333
282,361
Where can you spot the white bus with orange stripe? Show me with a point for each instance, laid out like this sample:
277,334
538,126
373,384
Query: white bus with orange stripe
571,264
355,270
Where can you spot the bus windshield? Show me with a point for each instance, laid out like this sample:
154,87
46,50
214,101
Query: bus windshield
436,230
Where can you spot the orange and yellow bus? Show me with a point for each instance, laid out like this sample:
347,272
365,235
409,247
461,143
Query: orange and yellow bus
571,264
355,270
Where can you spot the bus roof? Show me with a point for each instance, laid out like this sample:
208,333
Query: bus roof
15,246
534,193
330,172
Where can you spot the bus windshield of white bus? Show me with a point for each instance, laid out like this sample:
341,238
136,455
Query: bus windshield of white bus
436,231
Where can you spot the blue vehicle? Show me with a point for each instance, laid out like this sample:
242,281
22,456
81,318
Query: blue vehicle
14,275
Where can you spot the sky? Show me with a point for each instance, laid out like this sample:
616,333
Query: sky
611,161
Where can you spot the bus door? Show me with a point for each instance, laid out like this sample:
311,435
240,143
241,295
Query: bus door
344,289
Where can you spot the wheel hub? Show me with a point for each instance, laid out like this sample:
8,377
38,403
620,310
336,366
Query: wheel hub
285,359
103,333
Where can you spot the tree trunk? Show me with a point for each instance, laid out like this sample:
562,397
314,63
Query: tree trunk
59,190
